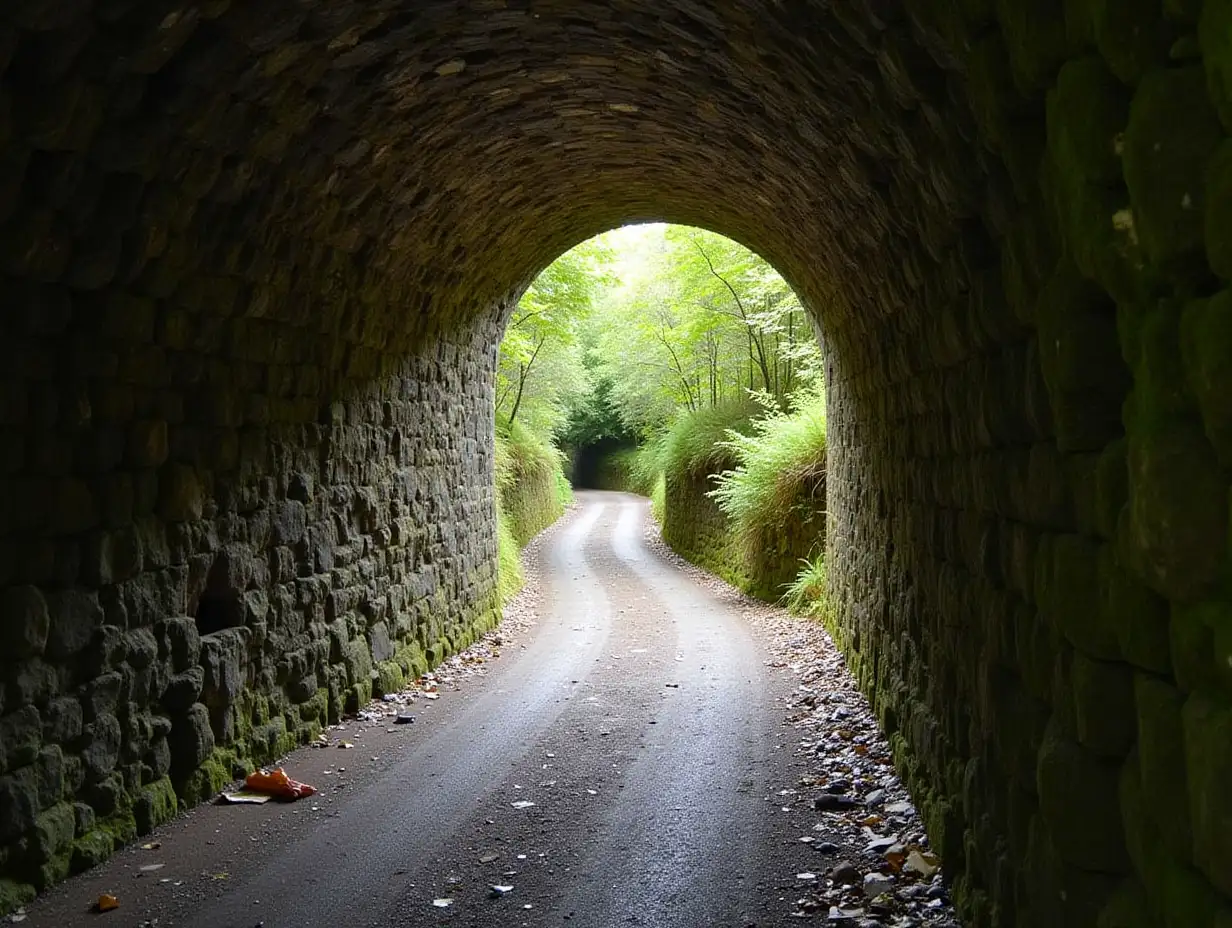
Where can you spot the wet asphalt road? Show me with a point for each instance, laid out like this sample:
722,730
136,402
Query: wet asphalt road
639,720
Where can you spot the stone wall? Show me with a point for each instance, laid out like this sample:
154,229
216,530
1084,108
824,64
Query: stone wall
254,259
533,493
697,529
207,562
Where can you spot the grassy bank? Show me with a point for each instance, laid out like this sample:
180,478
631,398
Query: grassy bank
531,494
740,490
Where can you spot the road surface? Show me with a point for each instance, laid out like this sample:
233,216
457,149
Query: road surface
637,716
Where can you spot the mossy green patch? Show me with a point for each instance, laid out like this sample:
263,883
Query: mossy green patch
155,804
205,782
91,849
14,895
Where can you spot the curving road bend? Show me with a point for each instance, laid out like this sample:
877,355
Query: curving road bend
638,719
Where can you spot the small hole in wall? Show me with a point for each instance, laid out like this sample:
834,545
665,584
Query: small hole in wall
216,611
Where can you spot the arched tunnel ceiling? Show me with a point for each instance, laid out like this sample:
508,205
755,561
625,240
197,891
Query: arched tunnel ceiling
453,149
254,258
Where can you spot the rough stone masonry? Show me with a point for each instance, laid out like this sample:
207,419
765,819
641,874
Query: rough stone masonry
256,258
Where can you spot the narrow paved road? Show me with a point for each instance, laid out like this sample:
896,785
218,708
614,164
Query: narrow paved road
637,718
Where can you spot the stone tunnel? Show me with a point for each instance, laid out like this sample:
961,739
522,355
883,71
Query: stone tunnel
256,262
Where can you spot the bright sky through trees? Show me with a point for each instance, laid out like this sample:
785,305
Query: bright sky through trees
625,331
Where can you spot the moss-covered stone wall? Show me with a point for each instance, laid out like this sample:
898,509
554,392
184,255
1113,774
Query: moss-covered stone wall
255,258
697,529
532,498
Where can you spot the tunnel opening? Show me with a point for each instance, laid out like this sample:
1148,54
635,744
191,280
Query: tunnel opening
254,241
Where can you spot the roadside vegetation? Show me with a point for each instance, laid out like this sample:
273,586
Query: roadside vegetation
675,363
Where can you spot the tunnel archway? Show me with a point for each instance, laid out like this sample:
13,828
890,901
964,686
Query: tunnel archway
257,257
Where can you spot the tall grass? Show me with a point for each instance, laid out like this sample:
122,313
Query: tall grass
509,578
807,593
531,492
692,447
779,473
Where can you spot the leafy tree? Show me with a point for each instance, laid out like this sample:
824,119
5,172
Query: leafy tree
540,368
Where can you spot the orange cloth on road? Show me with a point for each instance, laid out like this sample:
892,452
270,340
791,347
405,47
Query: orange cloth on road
278,784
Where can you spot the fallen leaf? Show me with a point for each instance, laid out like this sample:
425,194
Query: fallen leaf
107,902
924,864
152,846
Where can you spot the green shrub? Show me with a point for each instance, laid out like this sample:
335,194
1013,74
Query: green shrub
698,444
807,593
778,482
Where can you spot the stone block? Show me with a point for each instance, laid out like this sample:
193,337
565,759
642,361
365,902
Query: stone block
382,647
63,720
141,648
18,803
154,805
1132,36
1206,346
21,736
24,622
1138,615
1173,131
112,556
1176,537
32,683
1217,227
1208,761
288,522
147,444
181,495
191,741
1215,34
223,658
69,505
129,319
1161,759
1070,592
91,849
74,617
53,833
1104,705
49,775
102,750
1078,799
180,641
101,696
